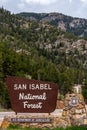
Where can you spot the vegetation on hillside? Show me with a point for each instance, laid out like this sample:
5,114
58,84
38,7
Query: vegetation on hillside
38,51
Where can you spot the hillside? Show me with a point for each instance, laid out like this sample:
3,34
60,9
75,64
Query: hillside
77,26
40,51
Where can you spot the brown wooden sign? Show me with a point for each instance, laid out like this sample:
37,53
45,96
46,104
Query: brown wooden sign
31,96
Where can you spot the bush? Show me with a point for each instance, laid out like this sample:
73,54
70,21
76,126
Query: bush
17,127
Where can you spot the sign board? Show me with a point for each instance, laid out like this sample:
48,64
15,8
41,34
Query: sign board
31,120
31,96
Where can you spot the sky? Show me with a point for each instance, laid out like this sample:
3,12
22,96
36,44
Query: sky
75,8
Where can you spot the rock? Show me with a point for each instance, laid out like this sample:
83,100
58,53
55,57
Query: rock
64,113
78,111
60,104
5,124
84,110
72,111
80,106
85,121
81,99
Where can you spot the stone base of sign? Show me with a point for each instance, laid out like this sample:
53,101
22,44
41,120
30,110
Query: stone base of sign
52,121
75,109
74,113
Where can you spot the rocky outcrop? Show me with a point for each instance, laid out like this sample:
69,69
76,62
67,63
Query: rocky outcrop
77,26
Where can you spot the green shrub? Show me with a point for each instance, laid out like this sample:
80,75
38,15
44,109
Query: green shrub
17,127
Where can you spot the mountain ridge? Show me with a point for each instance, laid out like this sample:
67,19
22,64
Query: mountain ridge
77,26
